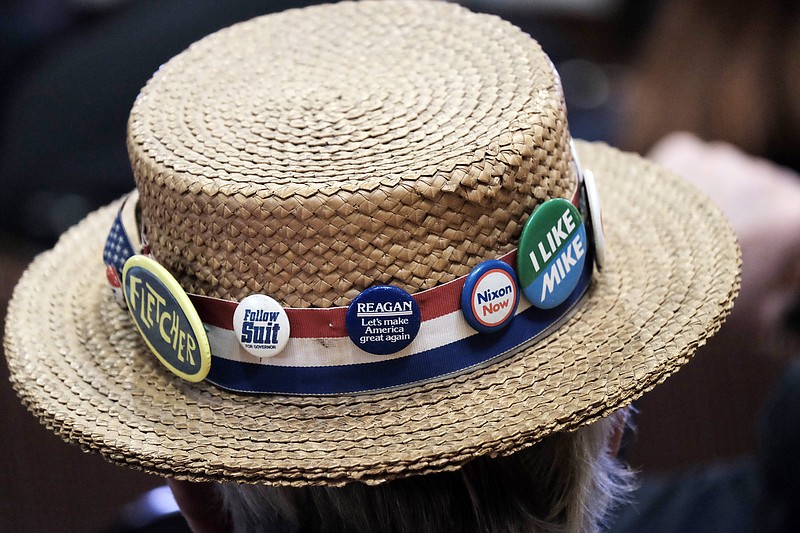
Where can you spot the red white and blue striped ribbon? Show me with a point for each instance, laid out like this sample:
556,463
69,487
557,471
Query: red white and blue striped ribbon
320,357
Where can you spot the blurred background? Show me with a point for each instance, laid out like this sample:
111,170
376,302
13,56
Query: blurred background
633,72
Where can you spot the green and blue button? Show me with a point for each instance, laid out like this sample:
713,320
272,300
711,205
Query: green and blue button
552,251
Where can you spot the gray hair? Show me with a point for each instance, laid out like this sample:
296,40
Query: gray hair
567,482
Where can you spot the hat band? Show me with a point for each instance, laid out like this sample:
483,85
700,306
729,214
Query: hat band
445,345
321,356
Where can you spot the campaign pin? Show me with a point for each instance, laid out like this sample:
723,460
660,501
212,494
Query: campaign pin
490,296
112,276
552,251
383,320
593,203
166,318
261,325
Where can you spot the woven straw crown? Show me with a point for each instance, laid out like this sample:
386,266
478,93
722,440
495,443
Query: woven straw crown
312,154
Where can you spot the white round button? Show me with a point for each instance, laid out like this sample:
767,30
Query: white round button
261,325
593,199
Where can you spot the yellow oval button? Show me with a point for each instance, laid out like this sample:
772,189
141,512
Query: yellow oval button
166,318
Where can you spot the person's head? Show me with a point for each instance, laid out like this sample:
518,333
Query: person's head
569,481
341,209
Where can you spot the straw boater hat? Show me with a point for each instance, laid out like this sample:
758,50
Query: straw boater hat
363,247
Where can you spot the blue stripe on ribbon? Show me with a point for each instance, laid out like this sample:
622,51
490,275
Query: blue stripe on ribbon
476,350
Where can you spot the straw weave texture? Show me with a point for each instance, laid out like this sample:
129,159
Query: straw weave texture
78,363
311,154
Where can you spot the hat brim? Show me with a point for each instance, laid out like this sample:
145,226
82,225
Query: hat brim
79,364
